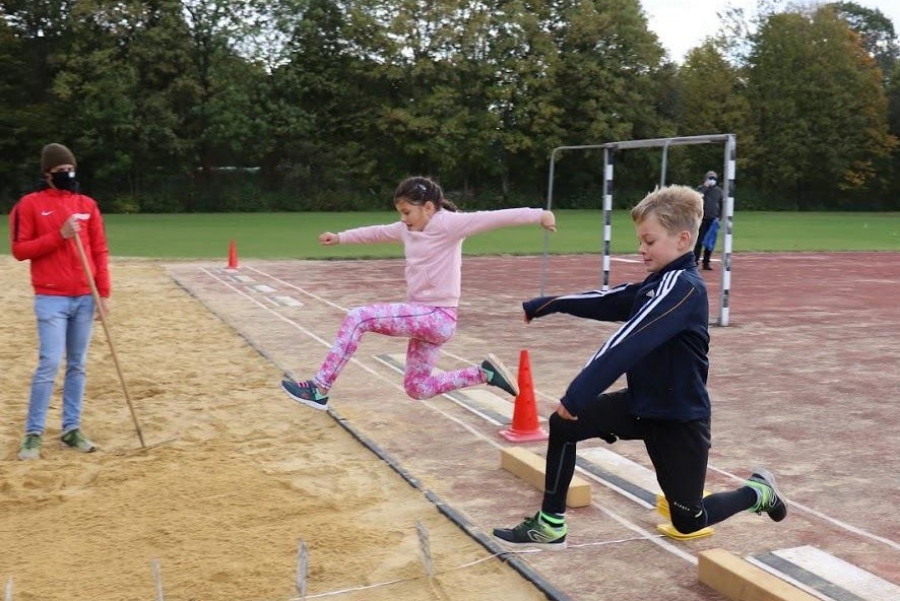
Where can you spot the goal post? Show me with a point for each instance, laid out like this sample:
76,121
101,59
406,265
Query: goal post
729,142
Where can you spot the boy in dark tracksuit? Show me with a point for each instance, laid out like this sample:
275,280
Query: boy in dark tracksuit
662,348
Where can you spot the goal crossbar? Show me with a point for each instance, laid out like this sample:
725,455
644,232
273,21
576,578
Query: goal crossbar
727,218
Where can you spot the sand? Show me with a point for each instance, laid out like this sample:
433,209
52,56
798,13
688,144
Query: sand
234,476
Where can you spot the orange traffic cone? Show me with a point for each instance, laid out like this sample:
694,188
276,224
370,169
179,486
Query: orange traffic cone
232,256
525,427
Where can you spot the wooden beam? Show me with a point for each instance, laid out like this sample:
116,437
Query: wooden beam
531,467
739,580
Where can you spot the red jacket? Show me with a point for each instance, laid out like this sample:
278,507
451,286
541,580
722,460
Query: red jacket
34,226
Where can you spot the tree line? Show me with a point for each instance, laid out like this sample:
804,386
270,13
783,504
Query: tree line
288,105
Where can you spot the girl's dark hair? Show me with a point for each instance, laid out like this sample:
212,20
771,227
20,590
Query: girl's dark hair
418,190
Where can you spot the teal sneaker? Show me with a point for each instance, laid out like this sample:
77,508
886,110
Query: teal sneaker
31,447
535,533
306,393
499,376
74,439
770,499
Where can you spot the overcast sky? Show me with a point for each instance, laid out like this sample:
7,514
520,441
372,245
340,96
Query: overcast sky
683,24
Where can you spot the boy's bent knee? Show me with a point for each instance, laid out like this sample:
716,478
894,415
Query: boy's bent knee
687,520
558,423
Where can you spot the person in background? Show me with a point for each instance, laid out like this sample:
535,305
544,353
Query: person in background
712,210
43,225
432,233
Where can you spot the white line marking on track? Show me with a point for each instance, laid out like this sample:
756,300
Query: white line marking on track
288,301
301,290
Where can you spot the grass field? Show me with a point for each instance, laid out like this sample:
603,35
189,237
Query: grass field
294,235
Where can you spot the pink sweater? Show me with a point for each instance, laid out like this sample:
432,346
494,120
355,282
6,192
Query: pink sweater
434,255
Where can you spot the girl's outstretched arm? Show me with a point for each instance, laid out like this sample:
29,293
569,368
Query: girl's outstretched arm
370,234
464,224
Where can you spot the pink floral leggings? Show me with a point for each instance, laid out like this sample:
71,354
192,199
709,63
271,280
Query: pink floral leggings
427,329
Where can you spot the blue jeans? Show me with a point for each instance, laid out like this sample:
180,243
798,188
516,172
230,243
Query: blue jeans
64,322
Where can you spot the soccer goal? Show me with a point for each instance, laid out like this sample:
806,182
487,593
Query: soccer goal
729,141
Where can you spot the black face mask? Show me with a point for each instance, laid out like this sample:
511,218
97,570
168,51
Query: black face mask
64,180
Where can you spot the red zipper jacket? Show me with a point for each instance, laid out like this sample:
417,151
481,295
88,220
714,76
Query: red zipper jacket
56,270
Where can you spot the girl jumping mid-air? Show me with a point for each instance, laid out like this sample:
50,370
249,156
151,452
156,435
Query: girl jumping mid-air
432,233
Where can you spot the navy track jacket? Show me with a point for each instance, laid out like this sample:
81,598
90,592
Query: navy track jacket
662,346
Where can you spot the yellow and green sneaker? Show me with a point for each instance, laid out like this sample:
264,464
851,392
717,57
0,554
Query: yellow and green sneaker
534,533
769,498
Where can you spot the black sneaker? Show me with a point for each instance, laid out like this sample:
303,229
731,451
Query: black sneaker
534,533
770,499
499,376
306,393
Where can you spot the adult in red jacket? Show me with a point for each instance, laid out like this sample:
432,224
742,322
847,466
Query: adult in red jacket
42,227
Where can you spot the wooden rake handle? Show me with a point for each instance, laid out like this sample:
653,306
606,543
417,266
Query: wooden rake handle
90,276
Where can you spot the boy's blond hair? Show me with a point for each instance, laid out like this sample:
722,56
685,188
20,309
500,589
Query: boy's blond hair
677,208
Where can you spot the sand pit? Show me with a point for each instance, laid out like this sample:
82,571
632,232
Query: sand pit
222,508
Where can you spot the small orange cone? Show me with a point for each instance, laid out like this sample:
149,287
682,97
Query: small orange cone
232,256
525,427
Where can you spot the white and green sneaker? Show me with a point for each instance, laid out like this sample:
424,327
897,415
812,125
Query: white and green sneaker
31,447
74,439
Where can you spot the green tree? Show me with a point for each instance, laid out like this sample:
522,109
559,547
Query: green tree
437,84
15,81
324,103
605,74
222,119
893,96
879,37
712,100
33,37
819,110
523,92
125,82
607,59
